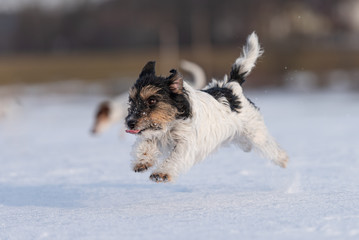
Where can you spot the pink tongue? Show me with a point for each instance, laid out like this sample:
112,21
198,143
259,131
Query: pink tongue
133,131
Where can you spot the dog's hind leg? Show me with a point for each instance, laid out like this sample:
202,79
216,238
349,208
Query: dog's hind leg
259,137
243,144
269,148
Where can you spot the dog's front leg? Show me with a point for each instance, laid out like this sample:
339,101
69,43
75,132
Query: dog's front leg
180,159
145,154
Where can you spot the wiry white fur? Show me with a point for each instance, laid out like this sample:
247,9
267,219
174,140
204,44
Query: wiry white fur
211,125
251,51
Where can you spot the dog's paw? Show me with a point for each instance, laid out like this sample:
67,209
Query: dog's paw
141,167
160,177
283,160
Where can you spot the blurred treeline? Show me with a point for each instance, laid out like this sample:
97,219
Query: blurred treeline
114,38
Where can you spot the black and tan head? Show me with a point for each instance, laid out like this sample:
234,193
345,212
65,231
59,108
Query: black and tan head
155,101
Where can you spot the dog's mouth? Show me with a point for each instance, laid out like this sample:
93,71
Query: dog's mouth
133,131
136,131
139,131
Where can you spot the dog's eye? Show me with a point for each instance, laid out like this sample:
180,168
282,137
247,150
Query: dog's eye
151,101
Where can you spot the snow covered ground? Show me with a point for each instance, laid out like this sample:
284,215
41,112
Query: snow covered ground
58,182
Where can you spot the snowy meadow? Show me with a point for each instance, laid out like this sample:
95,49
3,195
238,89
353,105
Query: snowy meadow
59,182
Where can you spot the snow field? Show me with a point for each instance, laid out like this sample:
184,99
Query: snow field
58,182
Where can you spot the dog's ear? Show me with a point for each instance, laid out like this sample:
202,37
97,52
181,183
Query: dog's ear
148,69
176,82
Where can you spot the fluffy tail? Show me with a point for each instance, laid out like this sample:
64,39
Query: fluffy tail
199,77
247,60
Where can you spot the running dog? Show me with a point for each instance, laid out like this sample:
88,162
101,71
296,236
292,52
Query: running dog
178,126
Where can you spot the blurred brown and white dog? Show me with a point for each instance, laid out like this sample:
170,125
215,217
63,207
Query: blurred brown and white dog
181,125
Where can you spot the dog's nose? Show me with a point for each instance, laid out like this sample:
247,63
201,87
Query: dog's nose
131,123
